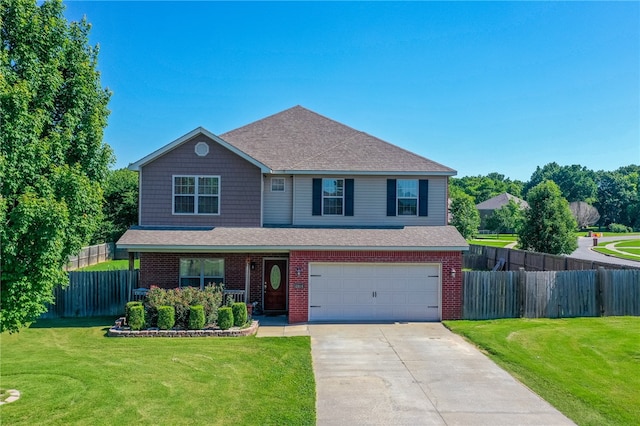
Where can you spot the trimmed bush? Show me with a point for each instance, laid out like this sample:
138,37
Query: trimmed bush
135,316
128,306
619,228
166,317
196,317
225,318
181,299
239,314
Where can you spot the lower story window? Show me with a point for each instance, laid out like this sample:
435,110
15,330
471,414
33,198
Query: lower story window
201,272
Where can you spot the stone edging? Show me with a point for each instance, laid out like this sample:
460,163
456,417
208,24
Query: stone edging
14,395
118,330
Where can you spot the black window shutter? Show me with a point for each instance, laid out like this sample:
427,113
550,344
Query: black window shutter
348,197
423,197
391,197
316,209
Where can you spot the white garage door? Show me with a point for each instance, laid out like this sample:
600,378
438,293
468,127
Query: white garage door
374,291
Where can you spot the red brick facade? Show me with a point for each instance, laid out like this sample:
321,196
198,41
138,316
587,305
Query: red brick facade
299,286
162,269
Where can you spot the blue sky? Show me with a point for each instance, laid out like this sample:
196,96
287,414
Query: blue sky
480,87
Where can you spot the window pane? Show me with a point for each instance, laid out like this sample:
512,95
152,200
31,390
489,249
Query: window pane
407,188
213,267
277,184
407,206
190,267
332,187
184,185
208,205
183,204
332,206
208,185
190,282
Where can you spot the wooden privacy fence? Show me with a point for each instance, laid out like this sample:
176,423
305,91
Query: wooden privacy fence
485,257
91,294
550,294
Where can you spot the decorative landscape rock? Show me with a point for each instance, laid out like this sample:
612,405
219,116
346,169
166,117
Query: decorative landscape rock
120,330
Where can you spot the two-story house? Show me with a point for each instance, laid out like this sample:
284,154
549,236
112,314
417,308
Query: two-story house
306,215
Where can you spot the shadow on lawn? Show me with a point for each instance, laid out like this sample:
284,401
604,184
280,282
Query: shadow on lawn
75,322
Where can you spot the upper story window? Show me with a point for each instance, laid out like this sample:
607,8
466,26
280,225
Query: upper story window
407,196
277,184
196,194
332,196
201,272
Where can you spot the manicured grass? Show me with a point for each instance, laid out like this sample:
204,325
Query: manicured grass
489,243
69,373
111,265
628,243
615,253
588,368
622,245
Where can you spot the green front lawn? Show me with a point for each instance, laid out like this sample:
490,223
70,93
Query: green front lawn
588,368
69,373
111,265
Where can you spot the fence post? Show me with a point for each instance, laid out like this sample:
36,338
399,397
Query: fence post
522,286
600,278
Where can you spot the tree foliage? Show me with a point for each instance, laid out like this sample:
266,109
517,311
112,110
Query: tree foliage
120,209
507,218
464,215
481,188
52,157
548,223
619,196
576,183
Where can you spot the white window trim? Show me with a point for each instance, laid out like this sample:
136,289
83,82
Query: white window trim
284,184
201,277
333,196
398,197
195,195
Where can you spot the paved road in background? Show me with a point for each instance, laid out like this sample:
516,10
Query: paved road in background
584,251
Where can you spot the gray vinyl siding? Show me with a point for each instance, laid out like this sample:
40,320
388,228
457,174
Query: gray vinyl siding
278,205
240,185
370,201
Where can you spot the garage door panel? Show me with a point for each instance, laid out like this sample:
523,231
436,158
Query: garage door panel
374,292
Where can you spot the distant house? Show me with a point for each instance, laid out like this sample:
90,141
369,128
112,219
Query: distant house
306,216
486,208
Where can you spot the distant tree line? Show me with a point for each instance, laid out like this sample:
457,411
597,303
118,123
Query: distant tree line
614,196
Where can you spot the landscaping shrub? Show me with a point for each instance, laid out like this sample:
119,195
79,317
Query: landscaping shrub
135,316
239,314
196,317
128,306
181,299
619,228
225,318
166,317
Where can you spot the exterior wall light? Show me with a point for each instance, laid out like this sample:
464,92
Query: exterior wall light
453,273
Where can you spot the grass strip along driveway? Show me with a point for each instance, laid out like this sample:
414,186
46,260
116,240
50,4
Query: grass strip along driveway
69,373
588,368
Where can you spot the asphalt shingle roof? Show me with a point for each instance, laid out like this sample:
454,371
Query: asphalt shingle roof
301,140
499,201
420,238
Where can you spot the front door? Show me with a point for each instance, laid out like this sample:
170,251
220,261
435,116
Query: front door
275,285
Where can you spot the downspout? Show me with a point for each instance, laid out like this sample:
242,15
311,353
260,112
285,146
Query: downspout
247,279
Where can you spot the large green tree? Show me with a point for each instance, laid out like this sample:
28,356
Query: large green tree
120,208
464,215
619,196
481,188
507,218
548,224
576,183
52,157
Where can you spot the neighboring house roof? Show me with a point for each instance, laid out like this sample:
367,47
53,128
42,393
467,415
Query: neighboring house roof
500,200
299,141
410,238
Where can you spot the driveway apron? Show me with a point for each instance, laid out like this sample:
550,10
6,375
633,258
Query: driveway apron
415,374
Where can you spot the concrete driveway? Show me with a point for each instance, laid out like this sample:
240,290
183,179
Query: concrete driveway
415,374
